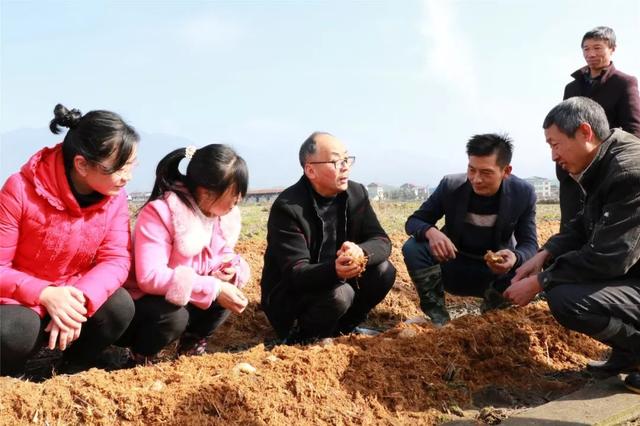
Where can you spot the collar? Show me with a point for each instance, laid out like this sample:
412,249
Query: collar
603,77
588,174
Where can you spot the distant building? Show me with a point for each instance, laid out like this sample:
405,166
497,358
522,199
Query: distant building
546,189
410,191
376,192
262,195
139,197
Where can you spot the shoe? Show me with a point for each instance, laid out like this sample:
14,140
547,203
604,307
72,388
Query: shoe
492,300
632,382
619,361
137,359
364,331
428,283
192,345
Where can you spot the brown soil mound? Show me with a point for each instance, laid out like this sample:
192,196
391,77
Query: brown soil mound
411,374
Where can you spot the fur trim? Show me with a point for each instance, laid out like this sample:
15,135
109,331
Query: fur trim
230,226
192,229
181,286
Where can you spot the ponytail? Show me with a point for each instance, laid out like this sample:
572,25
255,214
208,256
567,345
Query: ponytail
214,167
169,178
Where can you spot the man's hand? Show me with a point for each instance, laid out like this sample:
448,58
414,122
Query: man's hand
523,291
507,260
65,306
532,266
351,261
232,298
441,247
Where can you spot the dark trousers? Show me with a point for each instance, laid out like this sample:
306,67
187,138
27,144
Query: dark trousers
22,332
607,312
337,310
571,197
463,276
158,323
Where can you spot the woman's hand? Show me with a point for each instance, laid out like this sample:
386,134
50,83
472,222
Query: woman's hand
232,298
65,305
64,337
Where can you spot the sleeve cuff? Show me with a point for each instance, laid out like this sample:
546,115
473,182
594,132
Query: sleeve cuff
544,279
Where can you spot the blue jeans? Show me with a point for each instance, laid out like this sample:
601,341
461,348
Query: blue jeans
462,276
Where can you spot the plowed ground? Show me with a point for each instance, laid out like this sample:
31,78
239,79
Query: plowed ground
410,374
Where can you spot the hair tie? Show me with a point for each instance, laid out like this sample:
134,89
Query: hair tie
189,151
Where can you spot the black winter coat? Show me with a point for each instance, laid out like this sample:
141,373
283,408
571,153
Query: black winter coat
603,241
295,235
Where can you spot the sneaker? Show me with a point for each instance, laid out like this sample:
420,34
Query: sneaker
190,345
632,382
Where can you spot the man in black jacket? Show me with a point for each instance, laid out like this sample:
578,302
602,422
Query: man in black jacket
593,281
326,264
484,209
614,90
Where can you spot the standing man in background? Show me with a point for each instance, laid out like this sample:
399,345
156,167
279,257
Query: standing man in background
614,90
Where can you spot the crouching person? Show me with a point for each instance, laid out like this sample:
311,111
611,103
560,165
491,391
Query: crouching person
65,244
326,264
188,277
486,209
593,281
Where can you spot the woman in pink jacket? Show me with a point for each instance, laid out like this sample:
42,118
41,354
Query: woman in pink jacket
188,277
64,242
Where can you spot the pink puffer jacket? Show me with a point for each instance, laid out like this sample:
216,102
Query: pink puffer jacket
47,239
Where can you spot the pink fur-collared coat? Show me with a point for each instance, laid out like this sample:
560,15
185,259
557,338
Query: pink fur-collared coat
177,249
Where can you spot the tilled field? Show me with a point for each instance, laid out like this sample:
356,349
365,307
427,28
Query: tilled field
481,367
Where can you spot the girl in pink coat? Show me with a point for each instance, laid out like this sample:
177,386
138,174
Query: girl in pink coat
64,242
188,277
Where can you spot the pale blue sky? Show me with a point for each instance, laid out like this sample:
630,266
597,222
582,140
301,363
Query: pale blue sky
402,83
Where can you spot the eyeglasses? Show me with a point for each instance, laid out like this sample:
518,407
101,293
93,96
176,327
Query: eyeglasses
122,171
338,164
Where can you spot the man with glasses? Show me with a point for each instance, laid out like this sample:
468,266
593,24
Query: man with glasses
485,209
326,264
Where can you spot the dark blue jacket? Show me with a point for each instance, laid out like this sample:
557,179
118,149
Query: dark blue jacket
516,214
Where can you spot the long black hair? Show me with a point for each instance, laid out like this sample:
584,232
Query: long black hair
95,136
214,167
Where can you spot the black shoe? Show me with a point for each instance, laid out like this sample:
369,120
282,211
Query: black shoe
363,331
632,382
439,316
493,300
619,361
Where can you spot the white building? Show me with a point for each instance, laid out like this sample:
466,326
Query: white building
546,189
376,192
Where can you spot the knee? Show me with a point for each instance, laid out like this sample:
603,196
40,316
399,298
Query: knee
19,332
387,273
341,298
173,323
416,255
410,249
118,311
563,305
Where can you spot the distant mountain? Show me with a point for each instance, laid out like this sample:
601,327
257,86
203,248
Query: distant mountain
16,147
